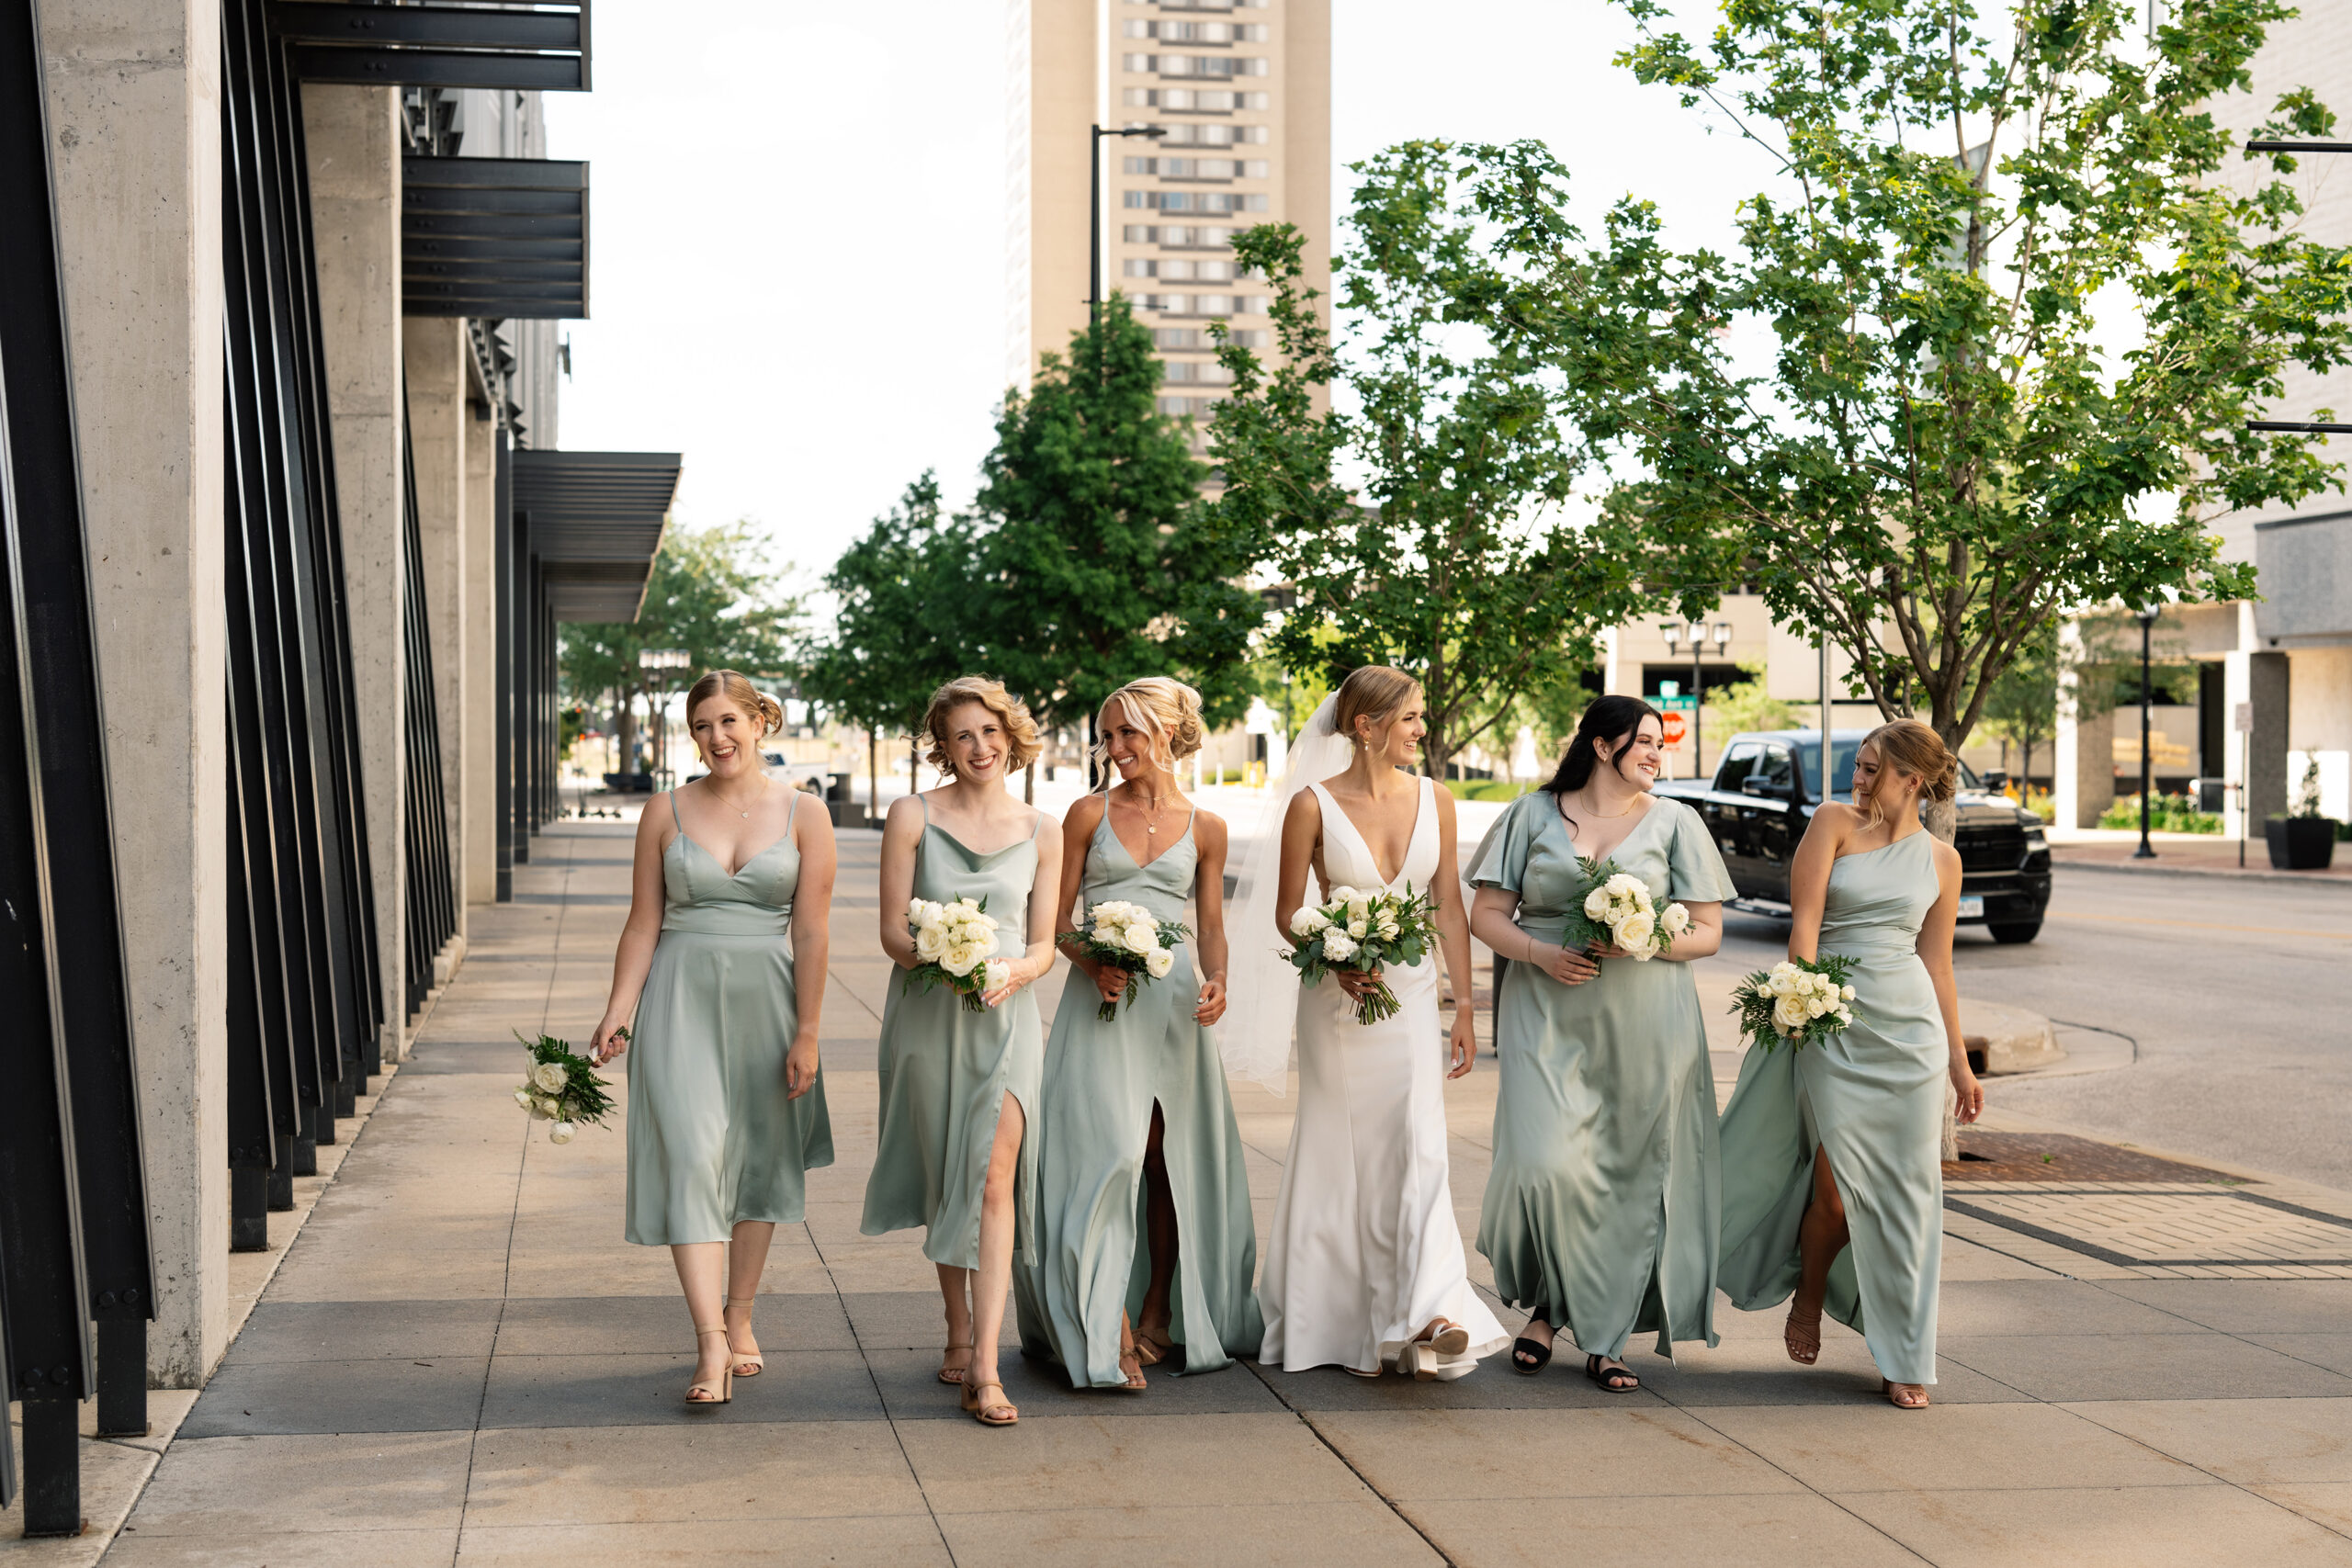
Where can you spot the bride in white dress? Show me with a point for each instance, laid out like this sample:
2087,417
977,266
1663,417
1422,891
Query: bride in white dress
1365,1268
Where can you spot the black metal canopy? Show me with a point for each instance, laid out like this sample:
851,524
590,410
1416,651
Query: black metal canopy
544,47
498,237
594,521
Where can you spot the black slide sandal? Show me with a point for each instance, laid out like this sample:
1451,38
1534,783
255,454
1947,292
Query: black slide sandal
1540,1357
1608,1378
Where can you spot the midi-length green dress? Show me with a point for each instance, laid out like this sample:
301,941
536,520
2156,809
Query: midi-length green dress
945,1069
1094,1259
1601,1210
1873,1099
712,1139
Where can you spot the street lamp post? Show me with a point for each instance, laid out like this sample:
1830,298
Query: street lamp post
1095,234
2147,756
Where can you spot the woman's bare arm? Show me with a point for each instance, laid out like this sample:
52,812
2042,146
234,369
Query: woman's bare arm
1453,937
1077,838
641,933
1935,953
1809,877
812,914
901,838
1208,904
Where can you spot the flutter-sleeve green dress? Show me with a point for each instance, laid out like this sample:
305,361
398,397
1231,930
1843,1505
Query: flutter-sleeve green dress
945,1069
1872,1100
1602,1208
1094,1259
713,1141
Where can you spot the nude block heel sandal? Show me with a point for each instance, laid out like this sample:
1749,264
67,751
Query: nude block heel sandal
724,1386
744,1363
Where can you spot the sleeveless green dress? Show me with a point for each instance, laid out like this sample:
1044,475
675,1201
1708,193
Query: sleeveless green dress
945,1069
1872,1097
712,1140
1094,1259
1602,1207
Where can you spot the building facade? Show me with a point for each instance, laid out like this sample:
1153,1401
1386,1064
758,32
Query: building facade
1241,91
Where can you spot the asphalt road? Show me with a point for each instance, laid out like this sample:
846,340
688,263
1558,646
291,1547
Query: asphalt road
2233,993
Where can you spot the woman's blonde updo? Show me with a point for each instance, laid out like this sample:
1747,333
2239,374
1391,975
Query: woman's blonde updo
1167,710
1376,692
1907,746
737,689
1020,729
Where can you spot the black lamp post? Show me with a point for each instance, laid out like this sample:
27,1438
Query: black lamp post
2147,756
1094,233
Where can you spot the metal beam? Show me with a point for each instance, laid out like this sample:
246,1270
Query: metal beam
437,46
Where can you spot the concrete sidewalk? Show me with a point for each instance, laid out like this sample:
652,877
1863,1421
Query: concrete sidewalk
460,1361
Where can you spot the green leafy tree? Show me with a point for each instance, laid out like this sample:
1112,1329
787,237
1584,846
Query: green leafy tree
1744,705
902,622
1096,560
713,592
1943,459
1417,516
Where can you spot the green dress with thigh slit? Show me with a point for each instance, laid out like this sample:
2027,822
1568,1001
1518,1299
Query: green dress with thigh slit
1602,1208
1872,1098
712,1140
945,1069
1093,1260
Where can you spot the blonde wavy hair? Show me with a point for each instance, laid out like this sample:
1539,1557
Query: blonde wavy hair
1376,692
1907,746
1021,730
736,688
1166,709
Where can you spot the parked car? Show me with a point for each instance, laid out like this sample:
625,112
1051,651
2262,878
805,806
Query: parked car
1763,794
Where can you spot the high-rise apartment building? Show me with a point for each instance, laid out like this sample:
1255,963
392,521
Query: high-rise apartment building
1242,90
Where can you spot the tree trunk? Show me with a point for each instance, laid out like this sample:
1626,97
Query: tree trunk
873,775
624,722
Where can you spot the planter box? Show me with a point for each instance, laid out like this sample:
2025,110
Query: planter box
2300,843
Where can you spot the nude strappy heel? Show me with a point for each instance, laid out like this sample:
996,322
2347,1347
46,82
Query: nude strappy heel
725,1383
953,1376
997,1412
744,1363
1131,1349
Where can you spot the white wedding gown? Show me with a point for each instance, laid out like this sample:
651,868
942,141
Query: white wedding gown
1365,1250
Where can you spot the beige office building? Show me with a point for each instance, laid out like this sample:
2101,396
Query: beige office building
1242,89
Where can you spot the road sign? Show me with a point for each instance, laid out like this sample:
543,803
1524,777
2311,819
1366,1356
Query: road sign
1678,712
1678,729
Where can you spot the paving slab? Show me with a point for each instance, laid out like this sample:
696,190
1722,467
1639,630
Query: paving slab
595,1475
1958,1448
1211,1535
604,1390
2123,1365
904,1541
1507,1455
2242,1441
2137,1526
360,1481
1794,1527
255,1398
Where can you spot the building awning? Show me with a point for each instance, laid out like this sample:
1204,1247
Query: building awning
541,47
594,520
495,237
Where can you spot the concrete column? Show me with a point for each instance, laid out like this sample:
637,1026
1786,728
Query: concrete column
135,145
434,351
2083,764
478,806
2266,794
355,146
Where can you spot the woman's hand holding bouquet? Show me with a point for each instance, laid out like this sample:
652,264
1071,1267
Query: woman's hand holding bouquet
1800,1002
1358,931
953,943
1128,945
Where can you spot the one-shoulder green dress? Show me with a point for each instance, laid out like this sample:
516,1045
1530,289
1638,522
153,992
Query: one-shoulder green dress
1873,1098
1093,1260
1601,1210
712,1139
945,1069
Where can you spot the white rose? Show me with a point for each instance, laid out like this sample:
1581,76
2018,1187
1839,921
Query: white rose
1596,903
1387,925
1337,946
1345,896
996,974
1780,984
523,1097
1846,993
1623,884
1159,961
1815,1007
1634,931
1676,921
933,914
915,911
1790,1014
958,960
1358,908
930,942
986,922
1308,922
543,1109
1141,937
549,1076
1358,928
561,1133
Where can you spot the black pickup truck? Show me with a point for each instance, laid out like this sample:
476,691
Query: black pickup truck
1763,794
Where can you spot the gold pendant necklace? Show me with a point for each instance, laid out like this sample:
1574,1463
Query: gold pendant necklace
744,812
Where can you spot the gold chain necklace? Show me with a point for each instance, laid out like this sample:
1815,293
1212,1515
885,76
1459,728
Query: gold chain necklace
1151,818
742,811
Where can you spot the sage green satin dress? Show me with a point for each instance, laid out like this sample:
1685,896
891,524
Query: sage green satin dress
1601,1211
712,1140
1101,1080
1873,1099
945,1069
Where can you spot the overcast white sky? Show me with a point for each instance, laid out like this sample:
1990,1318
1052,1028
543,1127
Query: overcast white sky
797,232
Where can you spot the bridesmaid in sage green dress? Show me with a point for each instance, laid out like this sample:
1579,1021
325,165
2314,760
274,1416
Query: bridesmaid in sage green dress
725,1099
1833,1179
1602,1209
959,1089
1145,1241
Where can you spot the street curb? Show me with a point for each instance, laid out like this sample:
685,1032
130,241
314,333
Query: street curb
2112,868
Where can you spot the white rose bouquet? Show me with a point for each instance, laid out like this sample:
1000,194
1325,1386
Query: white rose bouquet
1364,930
1120,935
1796,1001
1615,907
562,1089
955,942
